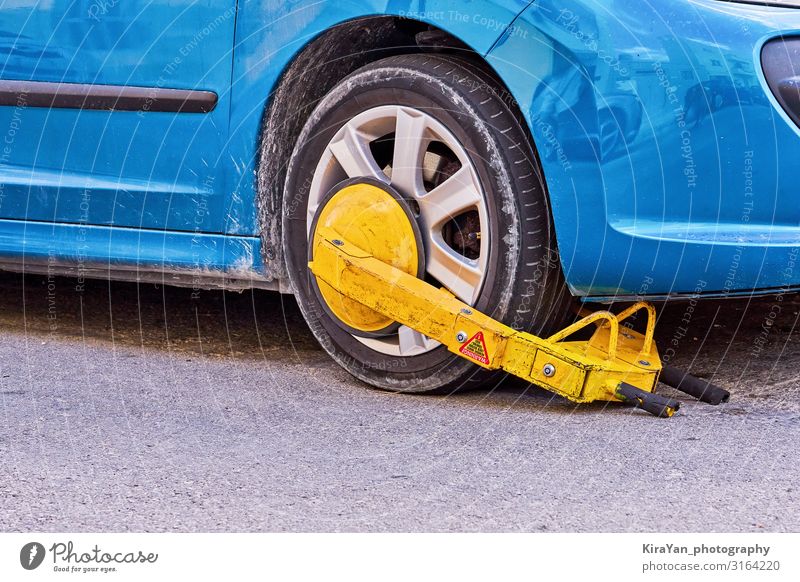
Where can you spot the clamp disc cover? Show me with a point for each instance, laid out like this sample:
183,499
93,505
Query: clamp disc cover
377,219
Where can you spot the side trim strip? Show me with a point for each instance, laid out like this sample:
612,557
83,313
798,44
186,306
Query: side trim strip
105,97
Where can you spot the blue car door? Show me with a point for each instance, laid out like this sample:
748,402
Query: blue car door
115,112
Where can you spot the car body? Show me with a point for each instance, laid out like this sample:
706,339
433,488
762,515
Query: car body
669,163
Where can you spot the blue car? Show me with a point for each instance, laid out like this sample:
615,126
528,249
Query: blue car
551,150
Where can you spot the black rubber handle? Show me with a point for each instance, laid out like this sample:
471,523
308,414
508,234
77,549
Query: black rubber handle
653,403
700,389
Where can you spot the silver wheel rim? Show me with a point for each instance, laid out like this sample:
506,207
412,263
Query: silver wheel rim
349,155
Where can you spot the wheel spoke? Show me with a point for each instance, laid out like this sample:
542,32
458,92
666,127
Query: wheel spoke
411,341
450,198
458,273
352,152
410,143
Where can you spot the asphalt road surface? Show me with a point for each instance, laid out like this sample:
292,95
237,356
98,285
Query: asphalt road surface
139,408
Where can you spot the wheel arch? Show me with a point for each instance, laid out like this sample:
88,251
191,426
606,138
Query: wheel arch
342,49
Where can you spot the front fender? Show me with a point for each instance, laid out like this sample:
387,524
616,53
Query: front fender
668,166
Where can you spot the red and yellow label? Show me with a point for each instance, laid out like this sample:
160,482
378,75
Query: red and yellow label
475,348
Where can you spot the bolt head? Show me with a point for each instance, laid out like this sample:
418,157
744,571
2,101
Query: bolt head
549,370
461,337
466,311
337,242
644,363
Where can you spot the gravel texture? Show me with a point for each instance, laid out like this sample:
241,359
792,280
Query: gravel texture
141,408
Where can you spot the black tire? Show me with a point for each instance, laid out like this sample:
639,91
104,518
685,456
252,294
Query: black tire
523,286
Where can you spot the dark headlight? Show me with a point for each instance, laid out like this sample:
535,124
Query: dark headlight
780,3
780,59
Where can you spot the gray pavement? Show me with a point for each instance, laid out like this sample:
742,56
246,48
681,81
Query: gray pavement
137,408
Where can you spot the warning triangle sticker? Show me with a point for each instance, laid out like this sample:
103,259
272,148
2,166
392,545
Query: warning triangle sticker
475,348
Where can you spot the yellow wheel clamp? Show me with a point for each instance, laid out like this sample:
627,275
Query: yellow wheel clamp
365,254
